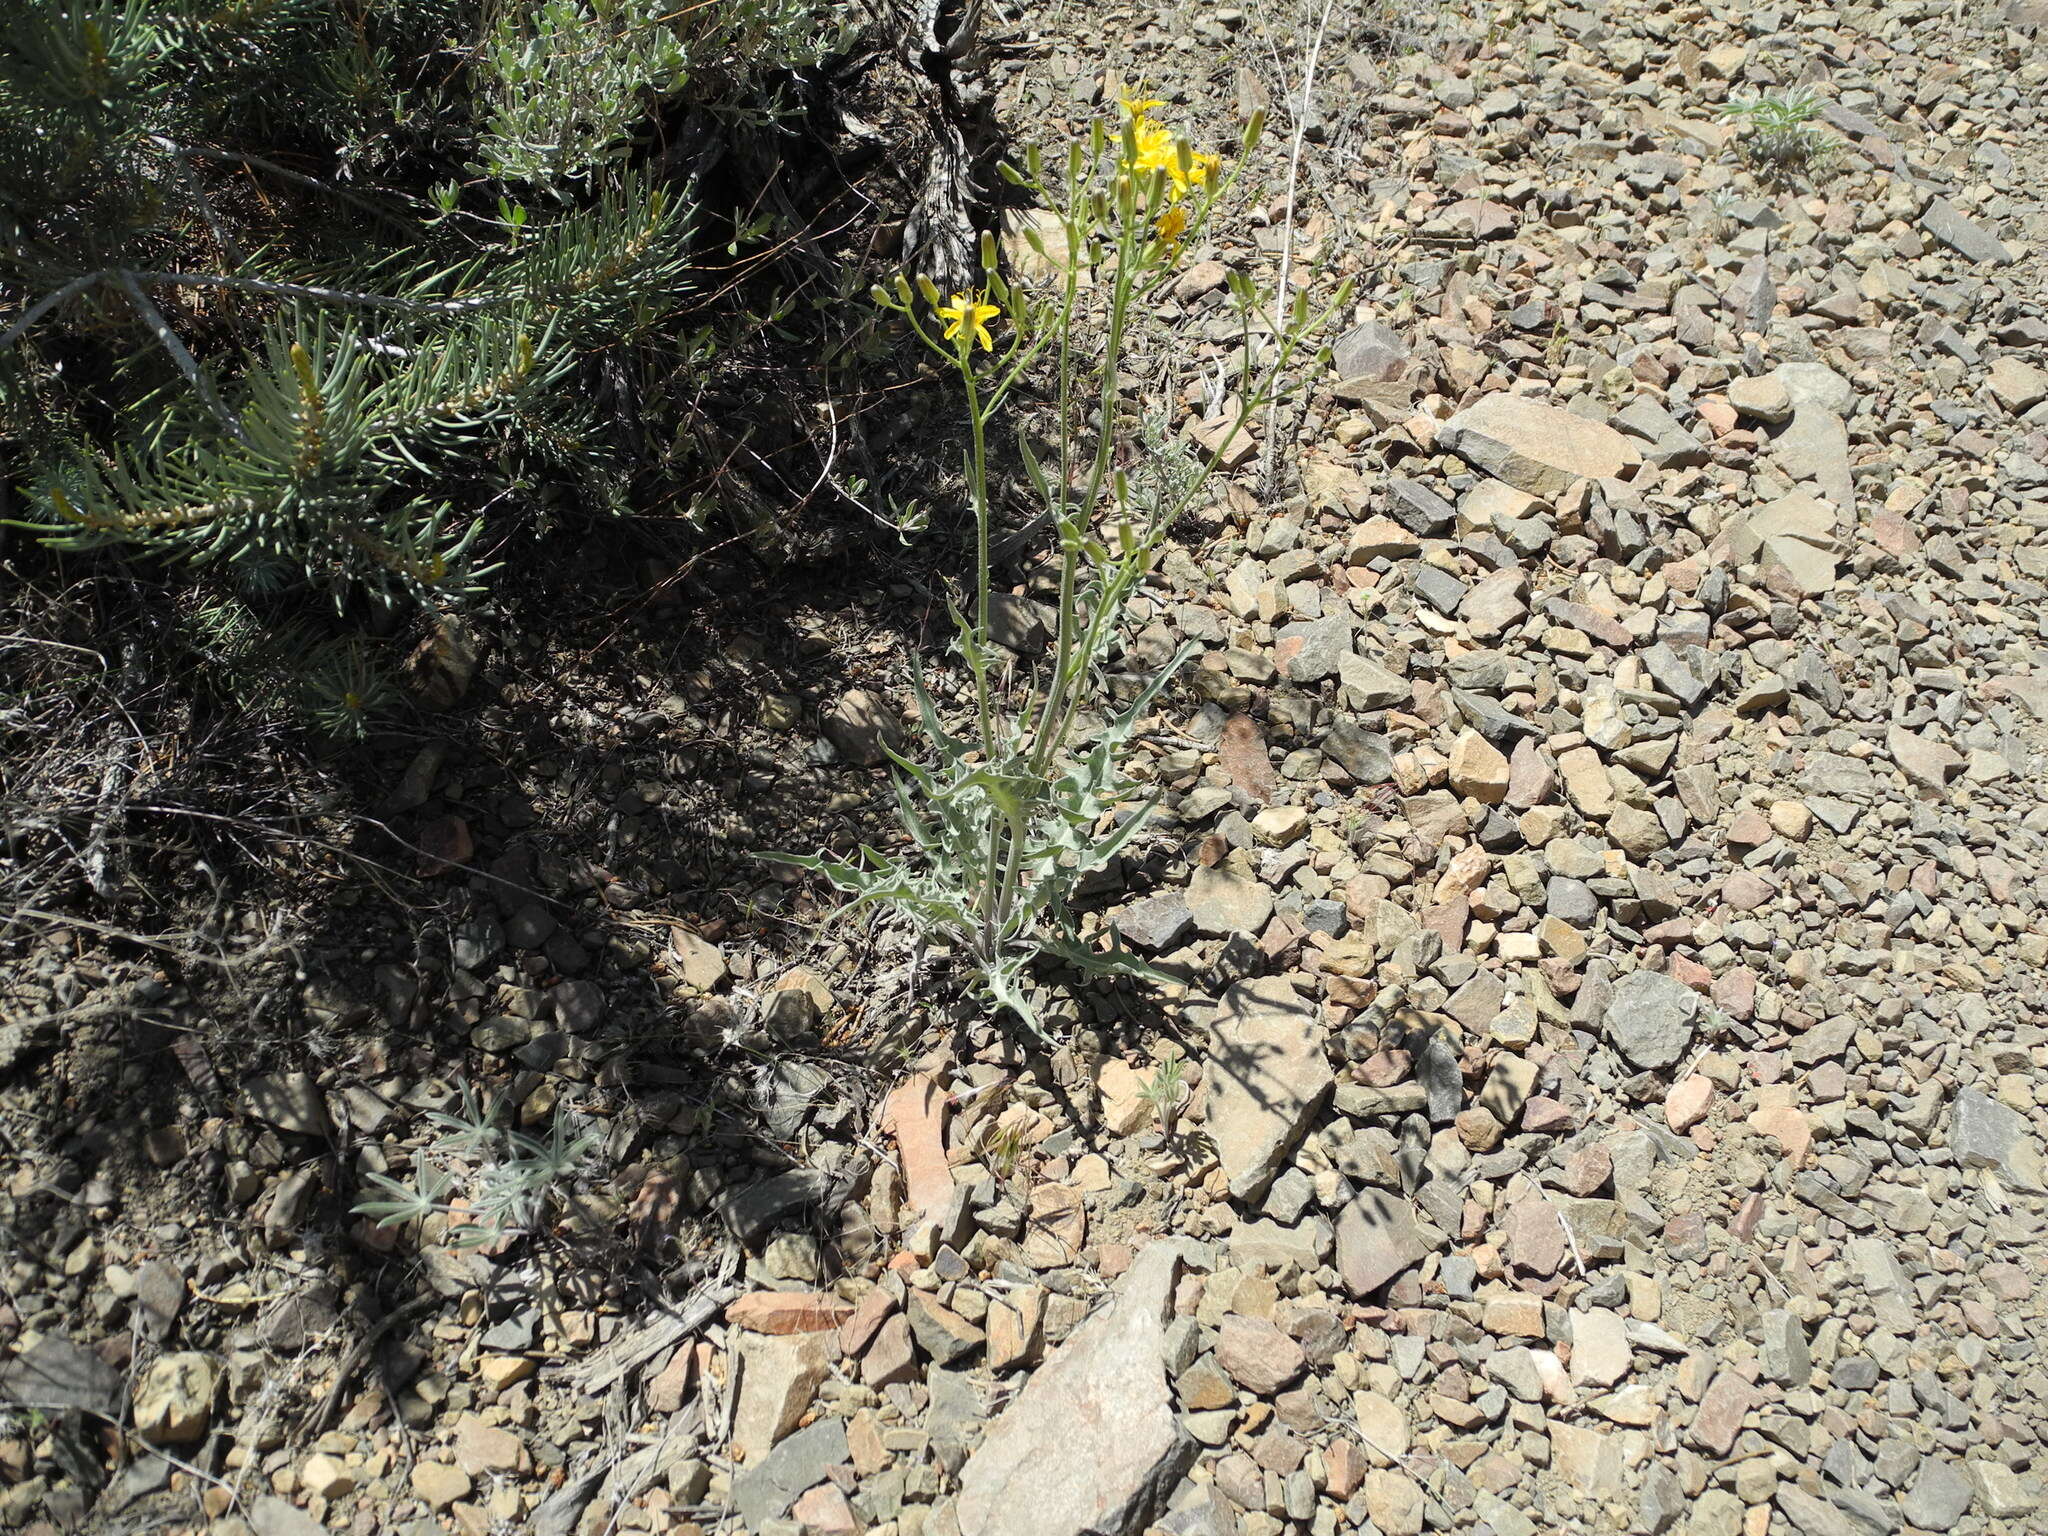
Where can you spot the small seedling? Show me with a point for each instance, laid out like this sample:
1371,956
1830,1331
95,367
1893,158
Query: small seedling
504,1176
1004,1149
1163,1092
1781,131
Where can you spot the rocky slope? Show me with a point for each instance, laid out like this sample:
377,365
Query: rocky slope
1604,844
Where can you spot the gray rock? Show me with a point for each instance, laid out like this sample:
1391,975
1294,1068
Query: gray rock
159,1297
290,1101
1369,351
800,1461
1418,508
558,1515
1157,922
580,1006
1785,1356
1267,1077
859,727
1305,1244
1437,587
292,1319
955,1414
1313,649
1670,445
1963,235
1838,776
1650,1018
1436,1068
1020,624
1939,1497
272,1516
1987,1134
54,1373
1535,446
1368,685
1092,1446
1223,901
1811,1516
1816,384
1378,1238
750,1212
1363,754
1663,1500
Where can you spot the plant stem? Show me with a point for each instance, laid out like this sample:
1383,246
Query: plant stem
1302,107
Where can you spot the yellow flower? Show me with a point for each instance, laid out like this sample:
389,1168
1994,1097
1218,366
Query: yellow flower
1172,225
967,313
1138,107
1156,149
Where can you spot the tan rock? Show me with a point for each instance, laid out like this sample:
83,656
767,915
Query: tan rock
174,1399
1586,781
1479,769
1600,1348
1394,1502
502,1371
325,1478
778,1378
2016,385
1267,1077
1384,1425
1536,447
1119,1088
1016,1329
440,1484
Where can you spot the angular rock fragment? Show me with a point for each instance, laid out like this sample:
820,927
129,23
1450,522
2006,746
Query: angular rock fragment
1268,1077
1536,447
1093,1445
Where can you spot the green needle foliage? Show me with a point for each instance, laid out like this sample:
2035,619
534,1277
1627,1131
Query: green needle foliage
1008,809
297,288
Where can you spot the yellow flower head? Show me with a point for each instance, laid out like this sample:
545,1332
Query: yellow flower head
1172,225
1155,148
1139,107
966,313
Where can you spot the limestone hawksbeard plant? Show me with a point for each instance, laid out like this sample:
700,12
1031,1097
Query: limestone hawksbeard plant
1009,806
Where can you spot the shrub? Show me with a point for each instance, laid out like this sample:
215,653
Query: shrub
306,284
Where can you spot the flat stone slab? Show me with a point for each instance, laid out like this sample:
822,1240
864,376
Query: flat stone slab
1093,1445
1268,1078
1536,447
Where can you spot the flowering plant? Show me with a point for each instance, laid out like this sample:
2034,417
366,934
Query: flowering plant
1007,812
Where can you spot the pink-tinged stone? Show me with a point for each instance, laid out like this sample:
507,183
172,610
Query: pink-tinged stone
1788,1127
779,1312
823,1511
915,1114
1535,1236
1727,1402
1541,1113
668,1391
1735,993
1687,1103
1893,534
1718,414
1692,973
868,1315
1745,890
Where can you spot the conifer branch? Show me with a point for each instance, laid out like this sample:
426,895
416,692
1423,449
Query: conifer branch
187,363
